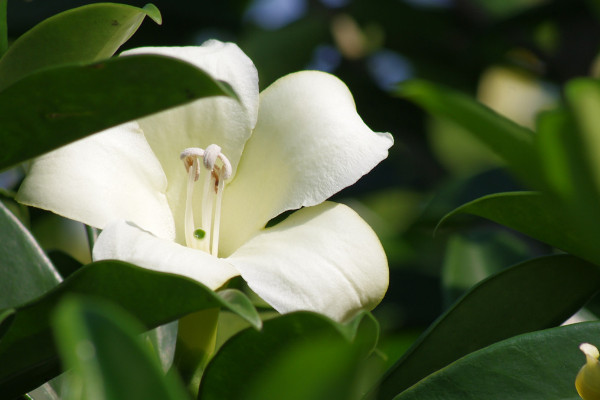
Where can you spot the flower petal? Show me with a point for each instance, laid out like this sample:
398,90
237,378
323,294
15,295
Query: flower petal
126,242
215,120
107,176
309,143
323,258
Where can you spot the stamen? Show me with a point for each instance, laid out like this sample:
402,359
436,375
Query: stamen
189,156
189,213
217,222
214,184
207,208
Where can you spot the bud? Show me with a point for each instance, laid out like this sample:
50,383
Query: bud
588,378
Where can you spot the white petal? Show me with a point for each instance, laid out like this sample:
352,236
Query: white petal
323,258
309,143
214,120
126,242
107,176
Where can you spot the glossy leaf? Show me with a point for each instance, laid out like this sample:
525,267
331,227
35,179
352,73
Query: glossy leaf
27,354
80,35
537,215
512,142
539,365
537,294
25,270
281,349
107,358
56,106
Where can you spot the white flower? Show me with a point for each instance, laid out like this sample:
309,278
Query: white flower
293,146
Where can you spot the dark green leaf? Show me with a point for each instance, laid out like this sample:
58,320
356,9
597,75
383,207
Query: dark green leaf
537,215
266,354
59,105
512,142
539,365
6,318
27,354
25,270
536,294
80,35
107,358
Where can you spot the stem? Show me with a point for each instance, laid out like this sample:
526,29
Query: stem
3,28
196,340
92,235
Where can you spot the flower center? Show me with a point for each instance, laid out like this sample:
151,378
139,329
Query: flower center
217,169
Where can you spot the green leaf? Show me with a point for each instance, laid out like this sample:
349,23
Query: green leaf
99,343
537,215
281,350
6,318
80,35
510,141
25,270
533,295
27,354
59,105
539,365
473,257
3,28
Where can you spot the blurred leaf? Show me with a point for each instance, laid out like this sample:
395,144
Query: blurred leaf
251,353
457,150
99,342
27,354
534,214
25,270
510,141
80,35
533,295
473,257
163,340
56,106
538,365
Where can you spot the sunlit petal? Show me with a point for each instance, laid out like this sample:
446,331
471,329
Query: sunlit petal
126,242
323,258
309,143
107,176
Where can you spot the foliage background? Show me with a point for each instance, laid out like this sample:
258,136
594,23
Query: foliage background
480,47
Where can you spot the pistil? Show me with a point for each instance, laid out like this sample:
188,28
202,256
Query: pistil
214,183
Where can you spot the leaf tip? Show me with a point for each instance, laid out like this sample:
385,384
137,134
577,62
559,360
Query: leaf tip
153,12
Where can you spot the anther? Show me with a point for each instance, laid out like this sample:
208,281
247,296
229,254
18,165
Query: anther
188,156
